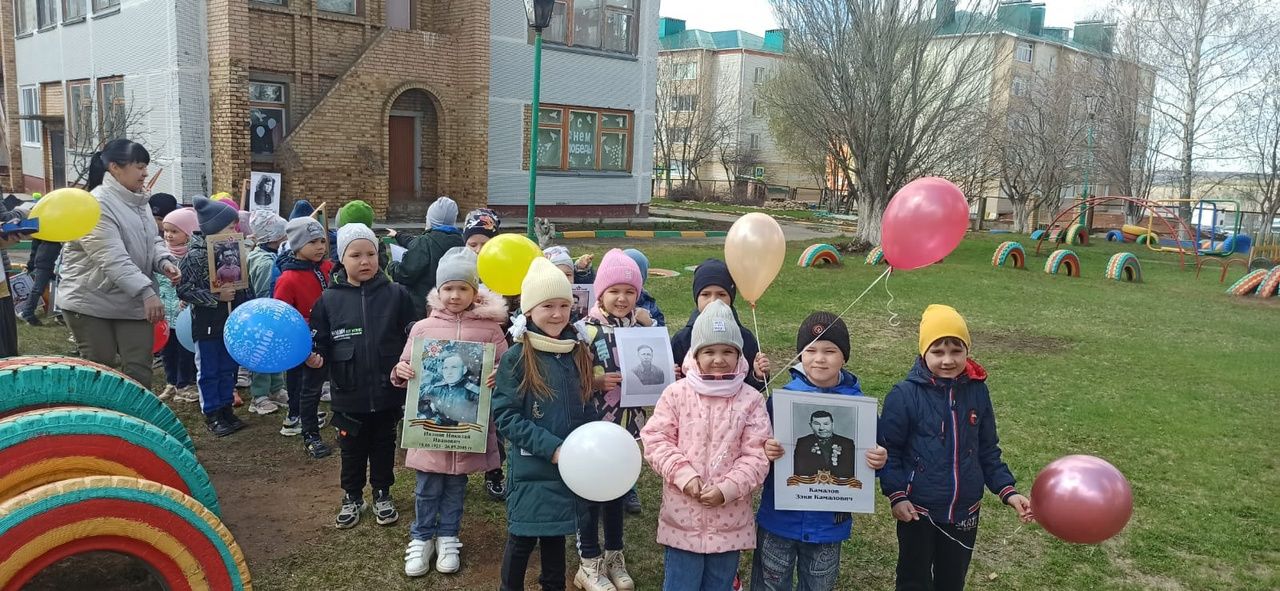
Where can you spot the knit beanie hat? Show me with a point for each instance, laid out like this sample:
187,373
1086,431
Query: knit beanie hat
214,216
459,264
267,226
226,199
713,272
641,261
481,221
543,282
443,212
301,209
184,219
715,326
352,232
617,268
162,204
302,230
941,321
558,255
355,212
823,326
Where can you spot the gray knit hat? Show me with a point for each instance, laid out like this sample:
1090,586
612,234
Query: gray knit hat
213,216
300,231
352,232
443,212
459,264
716,326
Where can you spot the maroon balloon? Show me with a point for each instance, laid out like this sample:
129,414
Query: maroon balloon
1082,499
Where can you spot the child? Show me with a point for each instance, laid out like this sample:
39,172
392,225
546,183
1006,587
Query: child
267,389
706,439
934,495
577,272
417,269
480,227
460,310
305,274
162,204
806,544
617,286
544,382
179,363
356,322
646,301
215,369
712,281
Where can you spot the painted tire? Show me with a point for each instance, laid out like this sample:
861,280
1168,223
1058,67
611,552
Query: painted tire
1055,236
36,382
1148,239
1063,262
1011,253
185,545
1036,235
47,445
1249,283
820,254
1115,236
1124,266
876,256
1270,284
1077,234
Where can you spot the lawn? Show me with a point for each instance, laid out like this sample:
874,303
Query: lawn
1170,380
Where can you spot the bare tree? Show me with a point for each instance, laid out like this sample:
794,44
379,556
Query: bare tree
115,118
693,117
1260,130
1129,138
805,128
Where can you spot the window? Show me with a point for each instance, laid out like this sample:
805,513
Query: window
46,13
678,135
30,105
609,25
758,172
80,114
684,71
276,2
72,10
267,110
24,16
111,108
338,6
1020,86
105,5
757,109
1023,52
575,138
755,141
760,76
684,102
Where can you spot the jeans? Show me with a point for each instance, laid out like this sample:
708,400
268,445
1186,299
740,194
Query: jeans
438,500
215,374
369,445
40,281
515,561
262,384
930,561
304,386
589,527
179,363
690,571
103,340
778,560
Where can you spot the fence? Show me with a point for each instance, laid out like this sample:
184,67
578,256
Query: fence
752,192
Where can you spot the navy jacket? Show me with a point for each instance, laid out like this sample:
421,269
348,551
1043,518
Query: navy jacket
647,302
941,437
815,527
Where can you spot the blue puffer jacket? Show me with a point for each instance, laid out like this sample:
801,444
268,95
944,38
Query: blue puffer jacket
941,437
816,527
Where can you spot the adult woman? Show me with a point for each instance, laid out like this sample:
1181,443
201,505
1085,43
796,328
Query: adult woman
108,294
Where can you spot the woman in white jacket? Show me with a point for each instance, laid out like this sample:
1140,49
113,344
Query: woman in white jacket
107,293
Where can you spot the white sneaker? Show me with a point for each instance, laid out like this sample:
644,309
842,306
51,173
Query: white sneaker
187,394
591,576
263,406
242,378
168,392
417,557
291,426
324,393
450,558
280,397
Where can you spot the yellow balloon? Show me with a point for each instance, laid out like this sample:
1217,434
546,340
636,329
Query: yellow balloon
66,215
504,261
753,250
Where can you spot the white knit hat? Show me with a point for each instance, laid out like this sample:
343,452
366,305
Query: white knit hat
543,282
716,326
352,232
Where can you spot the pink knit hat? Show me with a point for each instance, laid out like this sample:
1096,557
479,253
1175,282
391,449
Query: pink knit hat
617,269
185,219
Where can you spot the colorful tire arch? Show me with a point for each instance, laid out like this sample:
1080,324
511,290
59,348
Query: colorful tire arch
1124,266
1077,234
820,254
876,256
1010,253
1063,262
1248,284
47,445
1115,236
184,544
1270,286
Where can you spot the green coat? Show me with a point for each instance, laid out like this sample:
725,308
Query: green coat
538,501
417,270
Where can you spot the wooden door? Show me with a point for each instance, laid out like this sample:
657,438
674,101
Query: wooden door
402,158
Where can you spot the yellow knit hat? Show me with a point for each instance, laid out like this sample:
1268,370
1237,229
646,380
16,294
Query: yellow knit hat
543,282
941,321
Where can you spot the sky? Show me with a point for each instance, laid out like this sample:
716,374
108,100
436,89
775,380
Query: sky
756,16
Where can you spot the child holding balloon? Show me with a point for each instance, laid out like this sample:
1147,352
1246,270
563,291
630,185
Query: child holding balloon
543,385
706,440
305,273
940,430
179,363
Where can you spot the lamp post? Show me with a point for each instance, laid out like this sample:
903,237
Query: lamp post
539,14
1091,104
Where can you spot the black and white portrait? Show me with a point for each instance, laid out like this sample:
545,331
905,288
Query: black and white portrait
826,438
447,401
264,191
583,298
645,359
821,444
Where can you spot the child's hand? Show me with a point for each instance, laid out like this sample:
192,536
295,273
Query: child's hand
773,450
606,382
876,457
643,318
762,365
1022,505
315,361
171,271
492,380
679,371
404,371
905,511
555,456
226,295
584,262
694,487
712,496
391,232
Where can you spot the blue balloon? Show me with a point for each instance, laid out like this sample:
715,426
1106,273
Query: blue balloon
267,336
183,327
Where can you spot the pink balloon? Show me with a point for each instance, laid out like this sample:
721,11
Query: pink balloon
1081,499
924,222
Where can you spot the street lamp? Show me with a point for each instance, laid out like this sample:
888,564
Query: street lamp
1091,104
539,14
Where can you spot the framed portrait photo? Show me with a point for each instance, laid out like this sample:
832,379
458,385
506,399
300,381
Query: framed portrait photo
826,438
447,402
228,262
645,360
584,296
264,192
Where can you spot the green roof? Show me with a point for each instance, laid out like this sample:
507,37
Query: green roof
971,23
718,40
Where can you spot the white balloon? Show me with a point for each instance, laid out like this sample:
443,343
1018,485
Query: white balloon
600,461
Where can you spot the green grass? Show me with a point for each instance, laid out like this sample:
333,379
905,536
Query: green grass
1170,380
793,214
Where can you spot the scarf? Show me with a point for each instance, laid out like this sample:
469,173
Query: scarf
179,251
532,336
608,319
717,386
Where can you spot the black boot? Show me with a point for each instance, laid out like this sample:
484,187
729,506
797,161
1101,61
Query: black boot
217,425
230,418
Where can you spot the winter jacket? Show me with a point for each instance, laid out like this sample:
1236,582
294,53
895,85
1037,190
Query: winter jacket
599,335
647,302
750,347
538,501
43,255
417,270
109,272
720,439
208,313
360,330
301,283
262,264
480,324
815,527
941,437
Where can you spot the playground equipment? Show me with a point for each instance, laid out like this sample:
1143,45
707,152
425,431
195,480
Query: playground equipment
1229,244
1153,209
1073,234
1115,236
1063,262
876,256
1270,284
820,254
1038,234
1132,233
1224,264
1012,253
1248,284
1124,266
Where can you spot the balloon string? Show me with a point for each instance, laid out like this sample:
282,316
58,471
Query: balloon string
840,316
893,316
962,544
755,324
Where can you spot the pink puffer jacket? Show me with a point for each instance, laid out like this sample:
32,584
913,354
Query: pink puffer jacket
481,324
720,439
